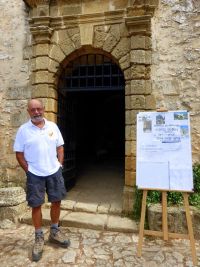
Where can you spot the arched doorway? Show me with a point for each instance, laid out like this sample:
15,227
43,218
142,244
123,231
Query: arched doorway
91,117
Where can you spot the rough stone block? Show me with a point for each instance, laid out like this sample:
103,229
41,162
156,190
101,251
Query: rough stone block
150,102
110,43
51,105
65,42
127,74
51,116
169,87
136,102
139,87
125,62
52,79
130,148
138,72
130,163
99,36
14,93
131,116
41,50
122,48
10,159
18,118
40,77
56,53
128,199
140,57
176,219
130,178
140,42
40,63
86,34
44,90
130,132
73,7
12,196
13,213
53,66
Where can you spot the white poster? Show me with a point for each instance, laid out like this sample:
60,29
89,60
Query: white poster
164,158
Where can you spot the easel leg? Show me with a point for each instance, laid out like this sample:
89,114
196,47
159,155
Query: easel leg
190,229
164,216
142,220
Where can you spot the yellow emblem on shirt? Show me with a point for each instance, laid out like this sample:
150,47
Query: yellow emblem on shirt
51,133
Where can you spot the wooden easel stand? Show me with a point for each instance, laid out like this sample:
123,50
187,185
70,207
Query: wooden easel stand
164,233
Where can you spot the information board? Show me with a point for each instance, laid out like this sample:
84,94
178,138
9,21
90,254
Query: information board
164,157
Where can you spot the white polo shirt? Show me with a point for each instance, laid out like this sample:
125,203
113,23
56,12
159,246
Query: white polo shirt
39,147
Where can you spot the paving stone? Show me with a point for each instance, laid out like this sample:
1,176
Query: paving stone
97,248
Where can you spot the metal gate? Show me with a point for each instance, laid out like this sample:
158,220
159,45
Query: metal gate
66,123
87,73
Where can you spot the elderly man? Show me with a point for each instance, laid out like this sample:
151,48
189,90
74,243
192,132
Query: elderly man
39,151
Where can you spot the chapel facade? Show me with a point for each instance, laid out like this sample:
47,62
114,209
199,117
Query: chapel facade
95,64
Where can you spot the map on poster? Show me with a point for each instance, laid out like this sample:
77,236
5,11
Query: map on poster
164,157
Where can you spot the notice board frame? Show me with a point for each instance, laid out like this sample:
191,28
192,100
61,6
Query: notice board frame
165,233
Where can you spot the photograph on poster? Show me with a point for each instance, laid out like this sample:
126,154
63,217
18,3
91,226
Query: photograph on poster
164,158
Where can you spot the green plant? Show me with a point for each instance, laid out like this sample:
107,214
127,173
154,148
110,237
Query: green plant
137,203
174,198
153,197
194,199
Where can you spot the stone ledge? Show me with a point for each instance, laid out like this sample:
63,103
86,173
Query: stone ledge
102,208
87,220
176,219
12,213
12,196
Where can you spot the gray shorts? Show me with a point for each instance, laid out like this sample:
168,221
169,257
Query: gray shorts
37,186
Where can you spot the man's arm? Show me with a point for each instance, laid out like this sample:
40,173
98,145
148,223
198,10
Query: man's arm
60,154
22,162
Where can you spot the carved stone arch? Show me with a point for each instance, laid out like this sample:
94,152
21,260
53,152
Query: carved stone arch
62,30
88,49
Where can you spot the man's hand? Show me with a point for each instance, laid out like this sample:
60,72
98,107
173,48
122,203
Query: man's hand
22,162
60,154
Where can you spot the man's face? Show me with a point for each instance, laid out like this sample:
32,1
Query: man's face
35,110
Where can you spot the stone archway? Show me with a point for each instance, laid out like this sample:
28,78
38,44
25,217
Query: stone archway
60,29
92,120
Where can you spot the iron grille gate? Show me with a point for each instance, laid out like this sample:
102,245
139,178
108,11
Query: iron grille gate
92,73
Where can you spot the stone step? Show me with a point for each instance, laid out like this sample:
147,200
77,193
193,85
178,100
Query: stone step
87,220
77,206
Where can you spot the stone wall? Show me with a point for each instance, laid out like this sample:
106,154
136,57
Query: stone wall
14,79
175,70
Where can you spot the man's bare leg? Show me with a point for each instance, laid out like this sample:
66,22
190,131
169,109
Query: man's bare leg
55,212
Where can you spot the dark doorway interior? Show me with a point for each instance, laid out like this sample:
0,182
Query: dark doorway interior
91,117
100,128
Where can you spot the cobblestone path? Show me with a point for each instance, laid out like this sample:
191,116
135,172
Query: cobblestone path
93,248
